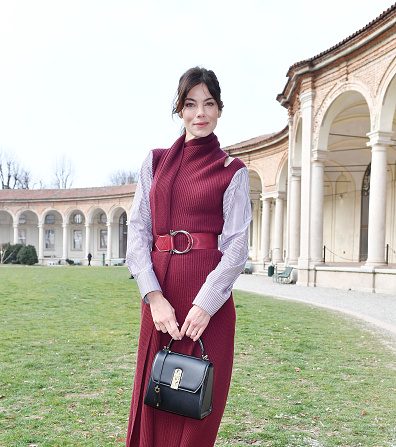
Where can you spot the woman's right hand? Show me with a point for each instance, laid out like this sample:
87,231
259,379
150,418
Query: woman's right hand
163,314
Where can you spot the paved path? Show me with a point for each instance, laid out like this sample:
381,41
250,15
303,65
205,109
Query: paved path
376,308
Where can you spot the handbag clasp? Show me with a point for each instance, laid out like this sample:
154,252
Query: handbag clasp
177,375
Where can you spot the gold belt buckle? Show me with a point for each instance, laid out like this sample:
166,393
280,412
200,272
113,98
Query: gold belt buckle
189,238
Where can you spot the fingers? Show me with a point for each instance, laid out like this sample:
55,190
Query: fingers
195,323
172,329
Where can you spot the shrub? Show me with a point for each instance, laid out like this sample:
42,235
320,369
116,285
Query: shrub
27,255
11,253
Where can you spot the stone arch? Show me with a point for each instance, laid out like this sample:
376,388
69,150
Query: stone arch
49,211
23,210
117,227
68,213
76,234
342,98
93,212
28,233
341,101
96,233
387,99
6,227
52,233
297,145
281,175
256,189
115,213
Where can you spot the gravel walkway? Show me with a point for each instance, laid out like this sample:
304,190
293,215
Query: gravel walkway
376,308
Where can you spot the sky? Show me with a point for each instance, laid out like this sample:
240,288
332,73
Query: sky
94,80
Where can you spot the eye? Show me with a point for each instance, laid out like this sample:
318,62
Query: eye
210,103
189,104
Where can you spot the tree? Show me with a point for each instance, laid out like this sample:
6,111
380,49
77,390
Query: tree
63,173
122,177
27,255
12,175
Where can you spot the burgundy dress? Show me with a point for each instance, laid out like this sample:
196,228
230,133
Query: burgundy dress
186,194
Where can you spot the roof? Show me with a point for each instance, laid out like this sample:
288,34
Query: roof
345,43
66,194
256,142
346,40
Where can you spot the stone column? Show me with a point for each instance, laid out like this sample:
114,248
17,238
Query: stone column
109,251
316,221
295,215
277,249
40,243
265,229
87,239
16,233
379,142
255,213
65,251
306,101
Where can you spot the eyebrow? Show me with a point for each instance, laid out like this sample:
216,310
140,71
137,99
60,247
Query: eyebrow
206,99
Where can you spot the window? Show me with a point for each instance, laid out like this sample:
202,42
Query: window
49,239
22,237
77,218
77,239
102,219
22,219
49,219
102,239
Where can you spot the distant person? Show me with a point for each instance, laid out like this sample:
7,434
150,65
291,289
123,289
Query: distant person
89,259
185,277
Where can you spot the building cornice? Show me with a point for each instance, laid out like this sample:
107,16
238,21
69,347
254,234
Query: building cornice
66,195
347,46
259,143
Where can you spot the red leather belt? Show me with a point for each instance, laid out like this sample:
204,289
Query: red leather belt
195,241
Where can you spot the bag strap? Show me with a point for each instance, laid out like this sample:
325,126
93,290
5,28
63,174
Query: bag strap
157,387
201,345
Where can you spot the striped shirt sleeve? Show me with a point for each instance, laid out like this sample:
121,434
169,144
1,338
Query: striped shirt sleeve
140,238
233,243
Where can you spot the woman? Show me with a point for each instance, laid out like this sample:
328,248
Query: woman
194,187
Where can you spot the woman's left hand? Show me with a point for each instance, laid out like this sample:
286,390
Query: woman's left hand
195,323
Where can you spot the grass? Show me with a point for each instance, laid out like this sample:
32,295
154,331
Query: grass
302,376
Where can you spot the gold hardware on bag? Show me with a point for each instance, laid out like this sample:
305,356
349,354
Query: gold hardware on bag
177,375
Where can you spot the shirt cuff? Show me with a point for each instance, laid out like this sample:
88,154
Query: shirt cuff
209,300
147,282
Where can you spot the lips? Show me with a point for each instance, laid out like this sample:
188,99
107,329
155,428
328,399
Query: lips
201,124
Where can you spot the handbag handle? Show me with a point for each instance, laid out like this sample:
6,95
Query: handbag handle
201,345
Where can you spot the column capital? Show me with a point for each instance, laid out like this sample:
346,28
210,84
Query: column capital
319,155
306,98
15,225
295,171
65,224
265,196
280,195
379,138
108,224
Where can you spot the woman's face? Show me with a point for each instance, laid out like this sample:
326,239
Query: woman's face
200,112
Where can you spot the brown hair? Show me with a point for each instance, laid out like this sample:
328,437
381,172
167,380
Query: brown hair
192,77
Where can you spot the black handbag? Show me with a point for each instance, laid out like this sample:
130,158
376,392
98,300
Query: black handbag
180,383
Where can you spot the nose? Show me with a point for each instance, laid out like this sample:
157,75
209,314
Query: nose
200,110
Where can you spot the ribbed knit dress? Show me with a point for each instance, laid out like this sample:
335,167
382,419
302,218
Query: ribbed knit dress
187,194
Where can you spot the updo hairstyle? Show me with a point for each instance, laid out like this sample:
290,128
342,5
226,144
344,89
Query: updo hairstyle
192,77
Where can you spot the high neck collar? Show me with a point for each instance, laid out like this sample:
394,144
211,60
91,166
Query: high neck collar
200,141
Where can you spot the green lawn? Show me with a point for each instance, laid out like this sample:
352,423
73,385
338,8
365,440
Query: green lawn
302,377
